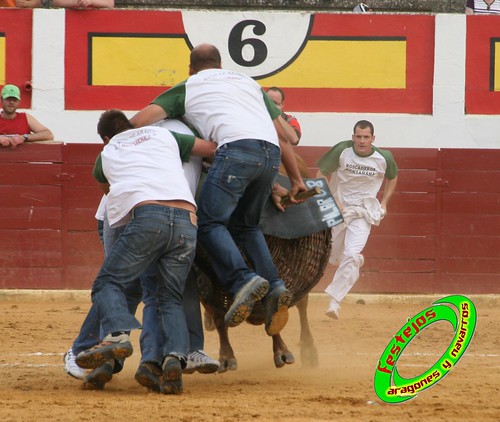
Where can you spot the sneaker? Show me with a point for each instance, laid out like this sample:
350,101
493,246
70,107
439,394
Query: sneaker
244,300
199,361
333,309
96,379
276,306
111,347
172,376
70,366
148,375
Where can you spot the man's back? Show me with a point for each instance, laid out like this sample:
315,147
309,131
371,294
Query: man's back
222,105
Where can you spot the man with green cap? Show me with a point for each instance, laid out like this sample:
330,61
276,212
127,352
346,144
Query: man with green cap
17,128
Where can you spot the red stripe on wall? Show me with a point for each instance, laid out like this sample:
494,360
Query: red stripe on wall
79,23
16,25
479,65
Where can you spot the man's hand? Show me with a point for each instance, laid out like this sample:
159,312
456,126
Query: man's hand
277,194
5,141
298,185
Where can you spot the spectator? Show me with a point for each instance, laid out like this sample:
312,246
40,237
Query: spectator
482,7
277,95
7,3
15,127
73,4
362,8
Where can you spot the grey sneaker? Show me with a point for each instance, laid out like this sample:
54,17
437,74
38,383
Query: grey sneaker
111,347
244,300
172,376
148,375
276,306
96,379
199,361
70,366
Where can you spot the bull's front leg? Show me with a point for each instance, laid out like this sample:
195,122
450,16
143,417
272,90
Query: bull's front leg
308,351
227,359
282,355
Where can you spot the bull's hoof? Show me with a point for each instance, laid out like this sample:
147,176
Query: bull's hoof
280,359
227,364
309,355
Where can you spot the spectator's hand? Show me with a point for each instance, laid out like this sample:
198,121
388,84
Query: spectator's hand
85,3
16,140
28,4
277,194
5,141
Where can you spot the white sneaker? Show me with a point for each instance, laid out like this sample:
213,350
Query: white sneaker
70,366
333,309
199,361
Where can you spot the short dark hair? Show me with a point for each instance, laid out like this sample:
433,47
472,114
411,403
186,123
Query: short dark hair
363,124
275,88
205,56
112,122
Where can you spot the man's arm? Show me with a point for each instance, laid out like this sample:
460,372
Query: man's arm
292,170
389,188
39,131
150,114
104,187
285,131
203,148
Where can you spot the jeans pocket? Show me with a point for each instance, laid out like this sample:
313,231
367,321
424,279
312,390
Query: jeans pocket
142,239
186,248
236,173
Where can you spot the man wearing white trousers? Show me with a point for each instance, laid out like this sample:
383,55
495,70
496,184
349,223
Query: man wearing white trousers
355,170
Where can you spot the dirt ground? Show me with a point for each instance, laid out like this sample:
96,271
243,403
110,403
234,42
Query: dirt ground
37,328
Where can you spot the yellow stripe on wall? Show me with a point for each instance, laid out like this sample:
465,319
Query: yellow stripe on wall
496,72
136,61
346,64
2,60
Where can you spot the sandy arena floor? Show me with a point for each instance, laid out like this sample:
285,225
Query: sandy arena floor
36,329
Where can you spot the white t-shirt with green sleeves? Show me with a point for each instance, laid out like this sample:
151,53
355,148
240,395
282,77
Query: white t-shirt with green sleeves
143,164
356,177
224,106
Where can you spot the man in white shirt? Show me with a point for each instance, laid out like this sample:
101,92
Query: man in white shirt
141,172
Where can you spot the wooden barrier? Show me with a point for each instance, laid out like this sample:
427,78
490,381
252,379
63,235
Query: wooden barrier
441,234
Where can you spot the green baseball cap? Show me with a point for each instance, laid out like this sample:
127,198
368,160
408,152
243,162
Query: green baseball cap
11,91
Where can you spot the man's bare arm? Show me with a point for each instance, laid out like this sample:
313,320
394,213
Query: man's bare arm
389,188
203,148
285,131
150,114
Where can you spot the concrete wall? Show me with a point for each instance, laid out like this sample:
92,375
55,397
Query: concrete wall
445,126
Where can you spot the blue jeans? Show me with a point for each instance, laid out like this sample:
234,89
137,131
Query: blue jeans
152,339
232,198
90,332
155,234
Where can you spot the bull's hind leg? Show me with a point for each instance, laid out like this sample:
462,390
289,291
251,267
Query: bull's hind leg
227,359
282,355
308,351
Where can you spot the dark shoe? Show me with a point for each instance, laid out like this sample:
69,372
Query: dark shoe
112,347
276,307
244,300
172,376
148,375
96,379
